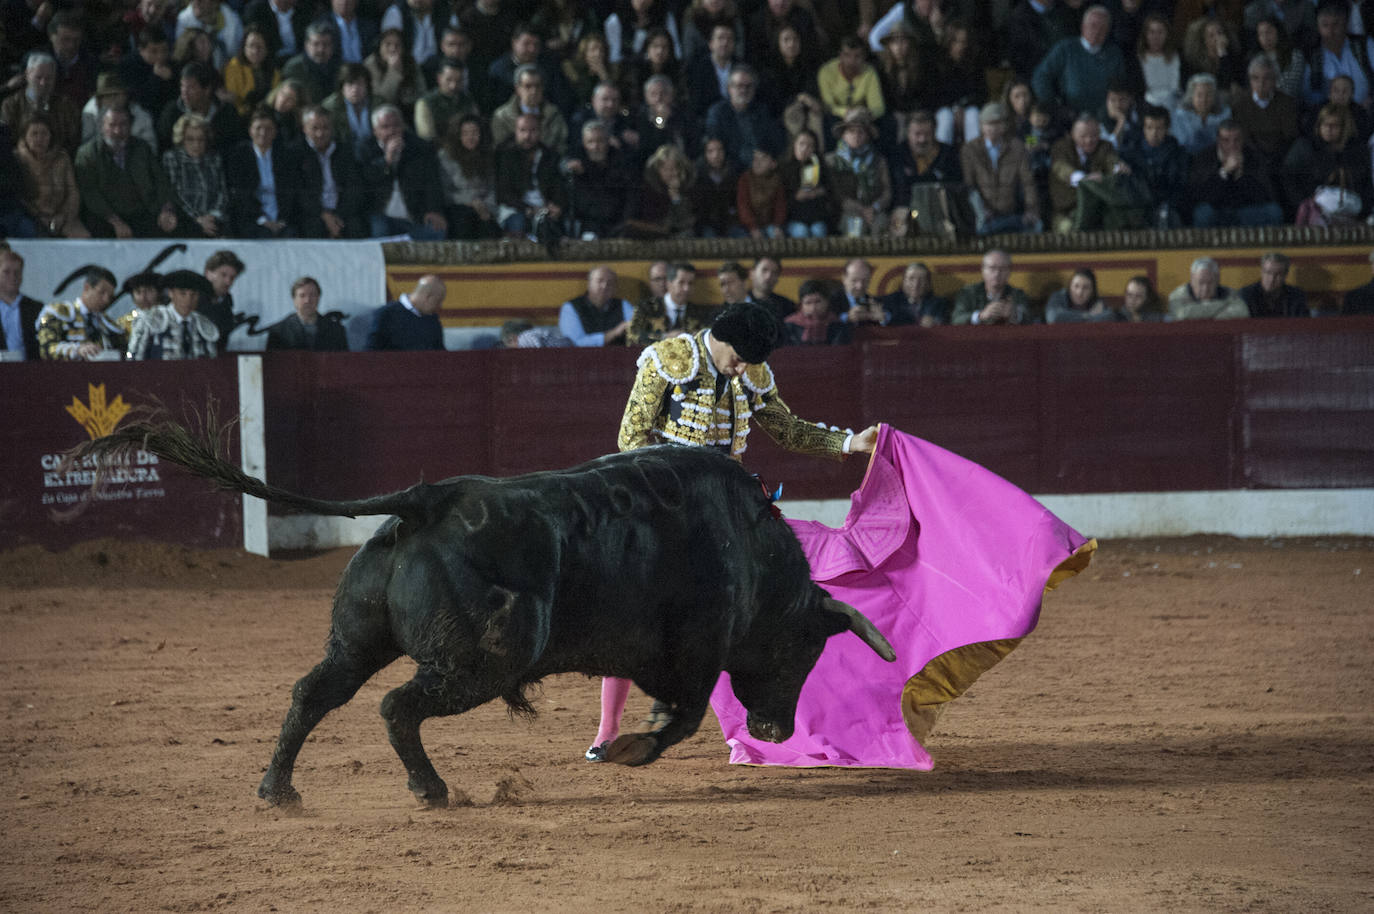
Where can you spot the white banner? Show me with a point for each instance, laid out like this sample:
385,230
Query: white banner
351,274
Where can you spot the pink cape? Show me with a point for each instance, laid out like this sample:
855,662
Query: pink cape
939,553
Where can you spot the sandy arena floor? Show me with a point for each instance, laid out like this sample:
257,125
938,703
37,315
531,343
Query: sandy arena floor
1191,728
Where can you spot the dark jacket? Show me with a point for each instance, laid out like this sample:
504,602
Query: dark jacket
290,333
260,13
1163,168
348,180
396,327
514,175
902,313
599,195
1292,302
1252,188
319,79
28,327
241,174
945,169
417,170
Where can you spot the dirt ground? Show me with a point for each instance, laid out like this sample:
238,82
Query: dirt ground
1191,728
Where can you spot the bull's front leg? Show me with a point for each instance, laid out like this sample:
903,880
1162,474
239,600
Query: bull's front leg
684,717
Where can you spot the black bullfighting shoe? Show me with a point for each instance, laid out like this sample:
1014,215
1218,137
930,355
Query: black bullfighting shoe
596,753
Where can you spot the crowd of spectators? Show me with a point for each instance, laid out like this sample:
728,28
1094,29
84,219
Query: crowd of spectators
678,118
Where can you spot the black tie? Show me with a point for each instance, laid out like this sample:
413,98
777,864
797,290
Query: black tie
185,339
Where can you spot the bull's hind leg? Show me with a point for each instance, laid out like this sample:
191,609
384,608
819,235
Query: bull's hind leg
430,694
330,684
682,720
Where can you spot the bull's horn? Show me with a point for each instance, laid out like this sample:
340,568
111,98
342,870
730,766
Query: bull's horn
859,625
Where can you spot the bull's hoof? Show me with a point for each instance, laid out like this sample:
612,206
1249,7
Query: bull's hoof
432,797
632,749
285,796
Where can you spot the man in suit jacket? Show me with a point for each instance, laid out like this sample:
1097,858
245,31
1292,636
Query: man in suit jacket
283,21
997,171
528,98
331,203
708,74
992,300
357,36
402,193
412,321
1268,116
124,191
317,66
197,96
18,312
915,302
526,166
308,328
264,179
1086,192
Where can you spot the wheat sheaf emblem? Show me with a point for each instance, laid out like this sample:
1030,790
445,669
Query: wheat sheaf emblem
99,418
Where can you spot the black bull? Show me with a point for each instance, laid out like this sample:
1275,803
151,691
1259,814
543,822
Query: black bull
663,565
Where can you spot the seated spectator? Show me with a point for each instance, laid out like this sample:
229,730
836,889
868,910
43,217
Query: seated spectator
196,174
762,200
148,73
908,74
1032,29
529,189
111,93
660,317
1140,303
124,191
1268,117
707,75
806,184
716,193
788,85
522,334
356,34
79,330
629,26
1203,297
699,22
763,281
489,24
350,106
1210,47
1298,19
1079,302
1161,166
283,23
992,300
915,302
1160,63
40,97
813,323
308,329
468,174
264,183
1017,99
597,189
1076,71
252,72
1328,177
219,21
1120,119
287,101
590,66
659,122
402,193
18,312
731,277
597,317
528,99
198,97
606,109
526,49
317,66
961,87
1360,300
443,103
1090,185
850,81
1195,121
1273,40
1239,192
76,66
924,169
194,45
175,330
1272,296
997,171
859,176
331,195
456,44
1335,56
762,27
419,21
1342,90
49,192
412,321
222,269
662,208
742,121
657,58
852,303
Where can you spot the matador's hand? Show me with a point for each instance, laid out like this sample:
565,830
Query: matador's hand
865,441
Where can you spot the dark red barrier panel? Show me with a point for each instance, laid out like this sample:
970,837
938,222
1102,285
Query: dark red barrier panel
1055,409
48,407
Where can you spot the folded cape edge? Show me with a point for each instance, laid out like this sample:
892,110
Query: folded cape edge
949,675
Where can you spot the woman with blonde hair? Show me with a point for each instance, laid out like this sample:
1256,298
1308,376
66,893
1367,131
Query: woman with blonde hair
590,66
196,174
1195,121
663,206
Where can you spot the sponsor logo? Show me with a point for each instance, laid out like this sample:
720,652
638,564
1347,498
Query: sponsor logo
133,476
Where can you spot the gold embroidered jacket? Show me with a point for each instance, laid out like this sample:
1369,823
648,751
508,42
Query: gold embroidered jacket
64,326
674,401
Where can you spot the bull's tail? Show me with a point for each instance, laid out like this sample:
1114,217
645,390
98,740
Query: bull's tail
202,455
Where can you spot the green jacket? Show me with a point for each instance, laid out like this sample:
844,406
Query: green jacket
136,193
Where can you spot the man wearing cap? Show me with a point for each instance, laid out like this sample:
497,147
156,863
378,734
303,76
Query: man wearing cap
702,389
79,330
111,92
176,330
859,175
997,171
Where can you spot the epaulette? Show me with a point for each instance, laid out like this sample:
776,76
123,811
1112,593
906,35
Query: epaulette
759,378
158,319
62,310
676,360
127,320
205,327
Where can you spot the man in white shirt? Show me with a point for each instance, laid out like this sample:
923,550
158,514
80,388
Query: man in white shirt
18,312
597,317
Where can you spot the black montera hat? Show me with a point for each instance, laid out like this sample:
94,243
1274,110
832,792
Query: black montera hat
188,279
140,280
751,328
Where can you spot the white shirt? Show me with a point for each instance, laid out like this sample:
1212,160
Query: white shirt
267,186
284,30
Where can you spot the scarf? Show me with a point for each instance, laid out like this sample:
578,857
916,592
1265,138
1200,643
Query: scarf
814,329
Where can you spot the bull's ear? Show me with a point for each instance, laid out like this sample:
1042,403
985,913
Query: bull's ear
858,623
